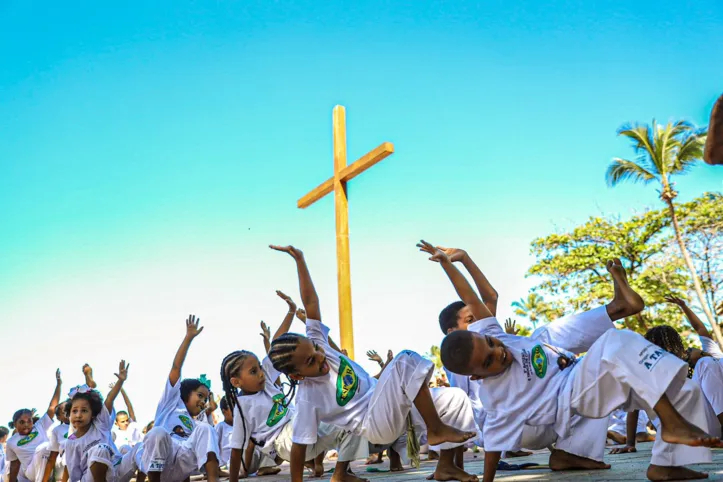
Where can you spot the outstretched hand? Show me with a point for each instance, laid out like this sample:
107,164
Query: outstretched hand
623,450
87,370
122,371
265,331
301,314
390,356
374,356
58,379
455,255
292,251
192,328
511,327
437,255
289,301
675,300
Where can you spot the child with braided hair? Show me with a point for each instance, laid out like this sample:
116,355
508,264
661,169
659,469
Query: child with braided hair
181,442
262,414
334,389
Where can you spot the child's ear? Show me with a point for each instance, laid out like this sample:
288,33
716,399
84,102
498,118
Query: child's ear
296,378
235,382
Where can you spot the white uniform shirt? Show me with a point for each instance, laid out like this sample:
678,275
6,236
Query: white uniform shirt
76,449
130,436
59,437
709,373
471,388
618,422
340,398
23,448
172,414
711,347
224,432
264,413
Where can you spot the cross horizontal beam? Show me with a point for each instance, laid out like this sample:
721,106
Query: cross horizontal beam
348,173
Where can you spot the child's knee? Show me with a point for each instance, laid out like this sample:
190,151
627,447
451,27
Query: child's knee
155,436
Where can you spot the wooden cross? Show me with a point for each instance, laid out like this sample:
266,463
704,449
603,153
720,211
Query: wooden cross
337,184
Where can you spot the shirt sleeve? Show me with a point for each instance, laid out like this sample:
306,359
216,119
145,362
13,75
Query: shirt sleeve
316,330
103,421
10,453
710,346
306,423
271,373
239,436
44,423
709,373
501,433
54,444
169,400
575,333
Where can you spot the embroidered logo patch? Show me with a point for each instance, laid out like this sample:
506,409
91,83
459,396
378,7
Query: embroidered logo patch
186,422
347,383
27,439
278,411
539,361
66,435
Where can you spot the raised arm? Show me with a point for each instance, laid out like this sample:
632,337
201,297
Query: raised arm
113,394
266,335
464,290
56,395
484,287
309,298
693,319
631,428
88,374
285,325
192,331
129,405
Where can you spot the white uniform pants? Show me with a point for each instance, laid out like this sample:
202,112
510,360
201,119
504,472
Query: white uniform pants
119,470
178,458
709,374
393,400
623,370
36,468
399,446
349,446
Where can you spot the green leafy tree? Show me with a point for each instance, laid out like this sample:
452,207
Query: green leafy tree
664,151
535,309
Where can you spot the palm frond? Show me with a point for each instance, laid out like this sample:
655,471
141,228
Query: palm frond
624,170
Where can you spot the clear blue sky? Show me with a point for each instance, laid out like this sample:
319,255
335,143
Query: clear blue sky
150,152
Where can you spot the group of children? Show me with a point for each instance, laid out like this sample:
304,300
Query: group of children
306,397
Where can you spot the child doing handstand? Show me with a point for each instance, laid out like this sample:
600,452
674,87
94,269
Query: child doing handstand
27,450
90,454
262,416
181,442
334,389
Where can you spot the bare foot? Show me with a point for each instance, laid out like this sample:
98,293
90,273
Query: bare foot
451,472
658,472
682,432
519,453
346,477
561,460
432,455
644,437
395,461
375,459
268,471
626,301
445,433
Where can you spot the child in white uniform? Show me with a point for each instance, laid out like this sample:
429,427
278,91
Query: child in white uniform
181,443
617,430
527,381
262,415
126,431
58,438
335,390
27,450
90,454
3,438
224,430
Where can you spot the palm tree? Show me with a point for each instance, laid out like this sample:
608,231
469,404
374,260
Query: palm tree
534,308
435,356
662,152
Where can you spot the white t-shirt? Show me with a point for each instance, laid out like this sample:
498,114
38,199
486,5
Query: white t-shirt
224,432
76,448
59,437
172,414
130,436
23,448
264,413
618,422
340,398
711,347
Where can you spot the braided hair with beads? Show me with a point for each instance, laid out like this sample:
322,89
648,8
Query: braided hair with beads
281,352
229,367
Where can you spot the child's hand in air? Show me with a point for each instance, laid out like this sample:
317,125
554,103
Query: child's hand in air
293,252
511,327
455,255
58,380
265,332
438,256
192,328
289,301
390,356
301,314
344,352
111,385
675,300
122,371
87,370
212,405
374,356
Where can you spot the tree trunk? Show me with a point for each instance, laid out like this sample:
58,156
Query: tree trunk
693,274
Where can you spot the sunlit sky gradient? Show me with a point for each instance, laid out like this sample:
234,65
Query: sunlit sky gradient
150,152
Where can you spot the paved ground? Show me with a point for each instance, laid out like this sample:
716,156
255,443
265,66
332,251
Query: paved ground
624,467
